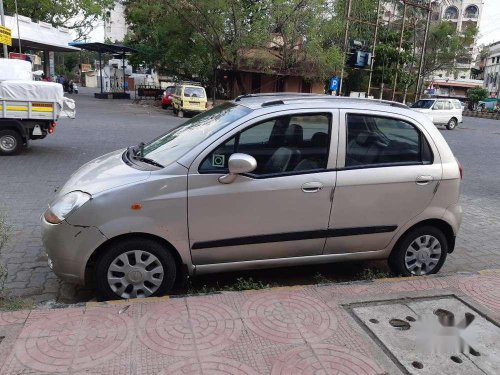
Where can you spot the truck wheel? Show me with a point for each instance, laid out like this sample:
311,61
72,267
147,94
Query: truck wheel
11,142
452,124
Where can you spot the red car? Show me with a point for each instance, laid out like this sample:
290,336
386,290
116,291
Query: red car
166,99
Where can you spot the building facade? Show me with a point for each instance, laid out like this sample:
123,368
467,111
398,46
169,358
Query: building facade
462,14
115,25
492,70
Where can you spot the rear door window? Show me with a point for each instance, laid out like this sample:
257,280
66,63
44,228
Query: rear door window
373,140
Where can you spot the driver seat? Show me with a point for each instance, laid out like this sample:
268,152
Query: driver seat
285,158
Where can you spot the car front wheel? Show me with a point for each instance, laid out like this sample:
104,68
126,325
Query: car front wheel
422,251
135,268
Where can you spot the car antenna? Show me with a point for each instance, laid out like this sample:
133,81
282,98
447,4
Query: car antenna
141,148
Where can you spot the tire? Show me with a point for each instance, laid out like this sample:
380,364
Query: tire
164,106
180,113
154,257
421,250
452,124
11,142
174,110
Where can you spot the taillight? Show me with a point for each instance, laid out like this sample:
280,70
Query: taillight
460,168
52,127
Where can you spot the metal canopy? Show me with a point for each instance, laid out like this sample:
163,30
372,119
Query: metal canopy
115,49
103,47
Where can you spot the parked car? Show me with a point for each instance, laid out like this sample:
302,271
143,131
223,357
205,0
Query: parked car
446,112
262,181
189,97
166,98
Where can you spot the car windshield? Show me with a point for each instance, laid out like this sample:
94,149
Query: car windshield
194,92
172,145
426,104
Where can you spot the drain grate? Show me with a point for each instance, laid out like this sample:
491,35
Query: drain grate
439,335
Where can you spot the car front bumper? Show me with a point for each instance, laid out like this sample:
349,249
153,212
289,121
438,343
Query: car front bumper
69,247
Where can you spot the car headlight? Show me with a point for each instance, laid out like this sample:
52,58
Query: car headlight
65,206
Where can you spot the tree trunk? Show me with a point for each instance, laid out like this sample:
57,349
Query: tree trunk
239,81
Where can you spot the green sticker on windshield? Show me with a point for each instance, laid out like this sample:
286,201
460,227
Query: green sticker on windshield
218,160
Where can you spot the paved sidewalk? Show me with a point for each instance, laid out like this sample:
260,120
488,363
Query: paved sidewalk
299,330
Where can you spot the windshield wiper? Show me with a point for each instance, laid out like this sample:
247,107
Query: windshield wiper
148,161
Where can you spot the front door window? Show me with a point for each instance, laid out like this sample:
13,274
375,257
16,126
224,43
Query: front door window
283,145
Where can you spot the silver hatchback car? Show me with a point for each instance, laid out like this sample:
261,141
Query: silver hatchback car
263,181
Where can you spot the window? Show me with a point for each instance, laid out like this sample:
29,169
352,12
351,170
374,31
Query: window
375,140
457,105
439,105
448,105
451,13
287,144
194,92
172,145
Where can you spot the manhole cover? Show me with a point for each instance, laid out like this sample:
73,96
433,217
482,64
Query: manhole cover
434,336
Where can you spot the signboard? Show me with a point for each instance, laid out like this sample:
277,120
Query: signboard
5,36
334,83
85,67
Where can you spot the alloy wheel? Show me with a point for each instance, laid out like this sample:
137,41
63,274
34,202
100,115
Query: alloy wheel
423,255
135,274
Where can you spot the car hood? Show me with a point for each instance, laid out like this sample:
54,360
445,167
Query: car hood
104,173
423,110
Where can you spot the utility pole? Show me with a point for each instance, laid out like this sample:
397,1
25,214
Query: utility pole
399,51
374,46
420,79
2,19
346,42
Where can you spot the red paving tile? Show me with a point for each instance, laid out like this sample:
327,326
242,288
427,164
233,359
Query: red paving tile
279,331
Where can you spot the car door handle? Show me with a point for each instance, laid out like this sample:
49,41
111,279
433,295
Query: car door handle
424,180
312,187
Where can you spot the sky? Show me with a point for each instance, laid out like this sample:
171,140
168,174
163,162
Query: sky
489,30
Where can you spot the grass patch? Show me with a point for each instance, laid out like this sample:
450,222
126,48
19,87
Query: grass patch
15,303
373,273
241,283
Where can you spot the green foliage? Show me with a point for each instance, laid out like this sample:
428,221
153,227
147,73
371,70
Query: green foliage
5,230
241,283
477,94
15,303
78,15
187,38
373,273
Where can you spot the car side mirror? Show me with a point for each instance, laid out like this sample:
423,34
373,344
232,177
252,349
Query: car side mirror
238,164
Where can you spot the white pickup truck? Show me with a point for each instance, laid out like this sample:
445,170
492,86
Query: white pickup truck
28,109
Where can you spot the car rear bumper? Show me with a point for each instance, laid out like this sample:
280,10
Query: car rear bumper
69,248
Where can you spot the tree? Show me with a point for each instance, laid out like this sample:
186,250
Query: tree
78,15
477,94
280,37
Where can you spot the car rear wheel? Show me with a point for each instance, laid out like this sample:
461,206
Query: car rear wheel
11,142
452,124
421,251
135,268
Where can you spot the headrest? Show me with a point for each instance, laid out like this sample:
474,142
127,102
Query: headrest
294,135
319,139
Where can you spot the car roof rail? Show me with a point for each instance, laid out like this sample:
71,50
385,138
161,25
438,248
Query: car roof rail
329,98
274,94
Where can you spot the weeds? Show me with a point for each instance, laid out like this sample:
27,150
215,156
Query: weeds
15,303
4,237
240,284
319,278
372,274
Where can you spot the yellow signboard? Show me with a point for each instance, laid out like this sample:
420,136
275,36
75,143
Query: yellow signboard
5,36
